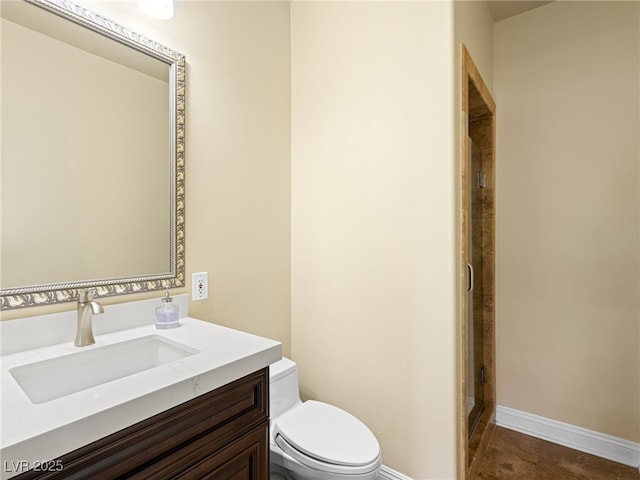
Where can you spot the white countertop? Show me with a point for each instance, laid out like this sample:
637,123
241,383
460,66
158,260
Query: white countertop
34,433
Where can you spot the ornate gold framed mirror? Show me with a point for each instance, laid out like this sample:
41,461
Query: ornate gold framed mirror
92,157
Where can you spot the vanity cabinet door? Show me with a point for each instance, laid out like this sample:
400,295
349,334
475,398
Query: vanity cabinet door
246,459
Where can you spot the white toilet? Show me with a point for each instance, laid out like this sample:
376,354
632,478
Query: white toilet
314,440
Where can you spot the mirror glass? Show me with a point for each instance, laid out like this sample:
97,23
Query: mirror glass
92,157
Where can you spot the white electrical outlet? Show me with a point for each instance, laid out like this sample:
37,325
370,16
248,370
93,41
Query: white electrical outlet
199,286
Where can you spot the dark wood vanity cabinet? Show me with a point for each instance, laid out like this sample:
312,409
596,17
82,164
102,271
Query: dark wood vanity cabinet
223,434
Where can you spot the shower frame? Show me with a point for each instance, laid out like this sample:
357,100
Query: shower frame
478,114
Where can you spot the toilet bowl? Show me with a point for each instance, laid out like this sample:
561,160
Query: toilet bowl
314,440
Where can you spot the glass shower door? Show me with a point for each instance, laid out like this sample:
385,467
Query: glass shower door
475,368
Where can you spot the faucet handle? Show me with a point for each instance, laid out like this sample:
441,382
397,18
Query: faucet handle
85,296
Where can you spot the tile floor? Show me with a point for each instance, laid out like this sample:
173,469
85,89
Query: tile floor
512,455
276,476
515,456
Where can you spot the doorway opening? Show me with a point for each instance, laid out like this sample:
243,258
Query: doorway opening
477,297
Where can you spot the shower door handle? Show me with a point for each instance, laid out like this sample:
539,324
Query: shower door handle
470,284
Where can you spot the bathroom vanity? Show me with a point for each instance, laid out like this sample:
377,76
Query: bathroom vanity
142,403
220,434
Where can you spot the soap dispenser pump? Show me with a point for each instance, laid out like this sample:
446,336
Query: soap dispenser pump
167,313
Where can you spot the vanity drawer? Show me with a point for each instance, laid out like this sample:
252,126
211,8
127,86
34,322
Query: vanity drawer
220,416
247,458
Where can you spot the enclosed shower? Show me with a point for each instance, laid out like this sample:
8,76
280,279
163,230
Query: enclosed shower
475,368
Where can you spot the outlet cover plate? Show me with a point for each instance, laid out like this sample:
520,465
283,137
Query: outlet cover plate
199,286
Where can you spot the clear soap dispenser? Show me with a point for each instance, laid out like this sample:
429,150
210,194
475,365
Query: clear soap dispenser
167,313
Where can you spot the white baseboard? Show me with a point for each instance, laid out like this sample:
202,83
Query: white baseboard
387,473
596,443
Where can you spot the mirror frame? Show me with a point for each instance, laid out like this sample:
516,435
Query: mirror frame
45,294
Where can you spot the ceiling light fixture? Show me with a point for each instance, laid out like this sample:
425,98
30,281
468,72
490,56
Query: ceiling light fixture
160,9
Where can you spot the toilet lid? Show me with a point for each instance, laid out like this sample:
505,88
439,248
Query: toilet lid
328,434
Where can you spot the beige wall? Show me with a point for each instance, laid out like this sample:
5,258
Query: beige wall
566,81
237,156
474,29
373,231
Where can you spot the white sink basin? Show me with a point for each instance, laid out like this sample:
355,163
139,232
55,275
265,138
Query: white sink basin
57,377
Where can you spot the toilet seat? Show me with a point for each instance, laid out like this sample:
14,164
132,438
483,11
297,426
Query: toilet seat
325,437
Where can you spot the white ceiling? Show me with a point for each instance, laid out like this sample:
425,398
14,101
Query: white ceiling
501,9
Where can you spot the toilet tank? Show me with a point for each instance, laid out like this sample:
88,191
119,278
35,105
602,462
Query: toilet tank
283,387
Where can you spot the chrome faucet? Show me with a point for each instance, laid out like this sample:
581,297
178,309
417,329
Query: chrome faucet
86,308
